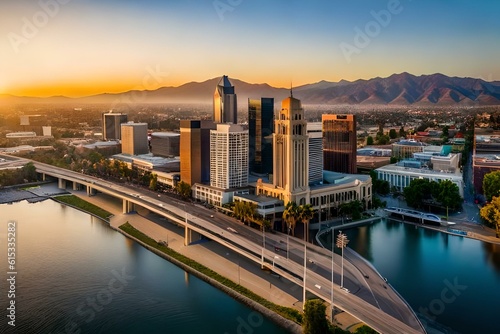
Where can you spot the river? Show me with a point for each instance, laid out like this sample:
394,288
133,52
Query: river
77,275
452,282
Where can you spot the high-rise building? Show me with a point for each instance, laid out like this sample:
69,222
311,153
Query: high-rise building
225,103
195,151
111,125
134,138
228,156
165,144
315,134
291,155
260,130
339,143
291,144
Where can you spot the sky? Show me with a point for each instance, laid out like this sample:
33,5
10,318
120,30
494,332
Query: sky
85,47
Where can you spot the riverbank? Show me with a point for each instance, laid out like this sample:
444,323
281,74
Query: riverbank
211,255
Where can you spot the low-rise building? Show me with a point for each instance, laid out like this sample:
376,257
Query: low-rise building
401,176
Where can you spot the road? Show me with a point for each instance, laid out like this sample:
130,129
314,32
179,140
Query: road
367,297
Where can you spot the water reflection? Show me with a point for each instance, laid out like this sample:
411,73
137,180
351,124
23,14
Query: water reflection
492,255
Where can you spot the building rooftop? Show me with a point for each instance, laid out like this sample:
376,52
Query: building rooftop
410,142
260,199
423,171
165,134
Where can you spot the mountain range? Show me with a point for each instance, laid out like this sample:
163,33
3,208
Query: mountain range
398,89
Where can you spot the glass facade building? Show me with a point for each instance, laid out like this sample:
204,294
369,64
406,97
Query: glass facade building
260,128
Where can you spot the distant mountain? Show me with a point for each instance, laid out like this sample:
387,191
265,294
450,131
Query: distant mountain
398,89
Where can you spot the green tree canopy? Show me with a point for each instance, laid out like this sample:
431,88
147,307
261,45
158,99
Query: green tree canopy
490,213
184,189
448,194
491,185
290,216
305,213
417,191
369,140
314,321
393,134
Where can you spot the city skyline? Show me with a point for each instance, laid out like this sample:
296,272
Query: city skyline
84,47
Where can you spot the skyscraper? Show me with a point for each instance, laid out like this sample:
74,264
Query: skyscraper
291,152
228,156
134,138
195,151
260,129
315,134
111,125
225,103
339,143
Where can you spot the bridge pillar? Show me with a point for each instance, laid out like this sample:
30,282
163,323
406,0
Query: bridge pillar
187,236
127,206
90,191
190,236
75,185
61,183
44,177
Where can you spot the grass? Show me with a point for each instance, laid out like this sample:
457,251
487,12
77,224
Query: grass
286,312
84,205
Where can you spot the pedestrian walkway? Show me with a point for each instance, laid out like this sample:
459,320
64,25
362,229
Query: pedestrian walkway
212,255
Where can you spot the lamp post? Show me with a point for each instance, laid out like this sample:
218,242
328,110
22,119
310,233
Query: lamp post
333,254
305,271
263,245
342,242
287,242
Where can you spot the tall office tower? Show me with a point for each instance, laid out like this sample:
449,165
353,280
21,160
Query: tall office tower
111,125
228,156
260,130
195,151
315,134
165,144
339,143
134,138
291,152
225,103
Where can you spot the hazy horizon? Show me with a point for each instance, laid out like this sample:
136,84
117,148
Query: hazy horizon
79,48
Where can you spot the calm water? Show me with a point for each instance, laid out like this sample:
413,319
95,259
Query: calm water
76,273
451,282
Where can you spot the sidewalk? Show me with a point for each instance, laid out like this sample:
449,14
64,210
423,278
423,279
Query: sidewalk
212,255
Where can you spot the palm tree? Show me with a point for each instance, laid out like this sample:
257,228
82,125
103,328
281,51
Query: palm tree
290,216
305,213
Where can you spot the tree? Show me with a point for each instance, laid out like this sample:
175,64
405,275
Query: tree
305,213
369,140
29,172
417,191
383,140
183,189
490,213
290,216
393,134
448,194
315,317
153,181
491,185
402,132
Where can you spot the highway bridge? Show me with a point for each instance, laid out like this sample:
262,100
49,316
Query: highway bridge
366,295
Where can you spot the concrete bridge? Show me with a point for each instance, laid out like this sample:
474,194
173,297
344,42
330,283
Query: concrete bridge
368,297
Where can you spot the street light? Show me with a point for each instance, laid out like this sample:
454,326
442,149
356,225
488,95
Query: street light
263,245
333,254
305,271
238,260
342,242
276,257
